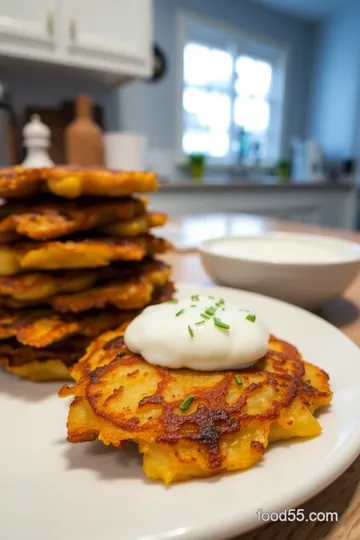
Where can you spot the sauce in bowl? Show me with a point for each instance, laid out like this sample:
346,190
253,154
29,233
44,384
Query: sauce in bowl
284,249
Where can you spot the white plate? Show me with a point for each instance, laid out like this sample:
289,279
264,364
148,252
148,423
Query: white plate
54,489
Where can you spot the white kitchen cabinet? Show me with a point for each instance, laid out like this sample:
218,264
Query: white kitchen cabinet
117,33
111,39
27,25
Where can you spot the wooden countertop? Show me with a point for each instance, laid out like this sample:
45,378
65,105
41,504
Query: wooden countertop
343,496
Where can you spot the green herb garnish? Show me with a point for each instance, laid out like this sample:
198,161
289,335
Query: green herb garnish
204,316
195,298
184,405
210,311
173,301
221,302
200,323
251,318
212,297
192,305
191,331
179,312
221,324
238,380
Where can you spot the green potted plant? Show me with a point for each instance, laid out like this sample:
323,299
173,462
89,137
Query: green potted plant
196,165
283,169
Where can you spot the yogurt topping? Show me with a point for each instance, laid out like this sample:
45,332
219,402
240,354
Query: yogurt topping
201,333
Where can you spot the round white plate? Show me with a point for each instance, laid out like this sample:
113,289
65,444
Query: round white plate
54,489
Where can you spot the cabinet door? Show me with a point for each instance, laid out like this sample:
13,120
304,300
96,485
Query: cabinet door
109,31
30,22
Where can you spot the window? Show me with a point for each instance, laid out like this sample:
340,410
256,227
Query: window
232,94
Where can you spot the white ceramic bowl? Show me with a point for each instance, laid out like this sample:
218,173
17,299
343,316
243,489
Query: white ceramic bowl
302,269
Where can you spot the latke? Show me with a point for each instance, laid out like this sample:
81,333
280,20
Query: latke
67,339
42,365
118,397
72,182
39,287
77,253
40,328
52,219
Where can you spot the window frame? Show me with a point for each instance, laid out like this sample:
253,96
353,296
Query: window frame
234,39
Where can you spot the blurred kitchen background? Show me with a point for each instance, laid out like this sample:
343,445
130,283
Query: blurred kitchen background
240,105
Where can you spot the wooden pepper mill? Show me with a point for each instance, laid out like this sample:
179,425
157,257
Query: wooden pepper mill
84,144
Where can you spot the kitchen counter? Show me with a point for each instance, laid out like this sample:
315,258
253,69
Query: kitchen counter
317,203
345,186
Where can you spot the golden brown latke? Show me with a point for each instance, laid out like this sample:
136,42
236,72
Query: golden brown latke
52,362
42,365
136,226
77,253
227,426
52,219
72,182
40,328
38,287
127,287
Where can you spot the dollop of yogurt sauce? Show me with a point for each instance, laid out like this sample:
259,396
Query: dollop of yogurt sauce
200,332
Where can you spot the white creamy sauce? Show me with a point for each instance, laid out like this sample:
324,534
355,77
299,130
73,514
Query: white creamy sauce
201,333
279,250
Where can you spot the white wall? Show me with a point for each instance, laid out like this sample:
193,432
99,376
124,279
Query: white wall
334,111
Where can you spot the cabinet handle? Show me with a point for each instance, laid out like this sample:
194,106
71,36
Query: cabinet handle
72,28
50,21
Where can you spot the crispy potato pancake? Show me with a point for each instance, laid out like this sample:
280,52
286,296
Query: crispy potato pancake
72,182
116,289
41,328
119,397
53,361
77,253
42,365
136,226
34,287
51,219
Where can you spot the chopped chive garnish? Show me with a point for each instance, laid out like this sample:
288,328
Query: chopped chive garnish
173,301
204,316
251,318
195,297
223,309
191,331
221,324
192,305
212,297
238,380
221,302
184,405
179,312
210,311
200,323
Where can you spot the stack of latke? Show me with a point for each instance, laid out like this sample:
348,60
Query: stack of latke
76,259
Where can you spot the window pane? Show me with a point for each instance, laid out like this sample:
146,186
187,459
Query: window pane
253,76
203,65
252,114
213,143
207,109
